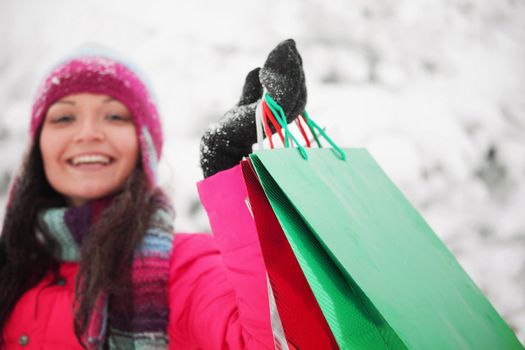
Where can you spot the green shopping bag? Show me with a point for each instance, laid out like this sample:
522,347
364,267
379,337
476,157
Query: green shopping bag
347,216
381,276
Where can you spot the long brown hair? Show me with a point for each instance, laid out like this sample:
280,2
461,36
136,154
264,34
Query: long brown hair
106,254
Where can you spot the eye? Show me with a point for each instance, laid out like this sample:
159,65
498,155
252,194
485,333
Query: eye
118,118
62,119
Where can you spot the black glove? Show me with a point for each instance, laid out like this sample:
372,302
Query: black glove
224,145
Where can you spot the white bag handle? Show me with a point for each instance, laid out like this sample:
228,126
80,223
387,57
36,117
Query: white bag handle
258,124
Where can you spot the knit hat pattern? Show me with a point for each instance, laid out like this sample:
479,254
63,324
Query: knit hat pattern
98,74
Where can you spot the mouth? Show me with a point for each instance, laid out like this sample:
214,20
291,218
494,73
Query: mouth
90,160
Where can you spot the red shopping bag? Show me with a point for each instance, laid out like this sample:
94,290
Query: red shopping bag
304,324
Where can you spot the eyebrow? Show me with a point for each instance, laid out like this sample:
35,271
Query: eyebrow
107,100
66,102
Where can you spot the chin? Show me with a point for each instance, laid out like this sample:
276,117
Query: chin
87,195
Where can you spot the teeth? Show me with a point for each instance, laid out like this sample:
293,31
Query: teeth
89,159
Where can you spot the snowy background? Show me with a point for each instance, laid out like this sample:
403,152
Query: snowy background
434,89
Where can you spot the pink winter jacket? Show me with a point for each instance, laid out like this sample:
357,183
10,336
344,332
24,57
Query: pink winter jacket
217,297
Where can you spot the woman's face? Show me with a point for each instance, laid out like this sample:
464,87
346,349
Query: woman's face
89,146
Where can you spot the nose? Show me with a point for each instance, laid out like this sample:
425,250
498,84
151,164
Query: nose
89,130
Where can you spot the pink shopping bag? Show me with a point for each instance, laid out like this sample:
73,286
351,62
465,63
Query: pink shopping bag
223,196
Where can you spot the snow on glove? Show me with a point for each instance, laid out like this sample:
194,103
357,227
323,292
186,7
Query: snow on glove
282,76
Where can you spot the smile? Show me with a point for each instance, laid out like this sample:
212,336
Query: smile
90,159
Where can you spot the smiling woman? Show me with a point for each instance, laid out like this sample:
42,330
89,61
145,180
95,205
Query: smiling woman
88,257
89,146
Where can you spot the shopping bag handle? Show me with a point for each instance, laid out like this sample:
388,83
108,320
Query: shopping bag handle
264,116
279,114
299,124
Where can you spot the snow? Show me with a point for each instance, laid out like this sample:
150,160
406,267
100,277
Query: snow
434,89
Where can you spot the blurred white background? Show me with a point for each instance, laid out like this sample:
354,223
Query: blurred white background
434,89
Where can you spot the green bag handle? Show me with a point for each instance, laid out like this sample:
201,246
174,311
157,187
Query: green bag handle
279,114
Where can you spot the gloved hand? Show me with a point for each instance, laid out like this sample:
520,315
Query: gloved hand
225,144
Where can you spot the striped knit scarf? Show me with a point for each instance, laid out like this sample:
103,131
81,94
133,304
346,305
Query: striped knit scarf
149,278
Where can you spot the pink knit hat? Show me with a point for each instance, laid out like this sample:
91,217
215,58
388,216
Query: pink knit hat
96,73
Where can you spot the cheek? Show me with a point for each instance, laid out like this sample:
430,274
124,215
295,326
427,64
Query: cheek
133,155
49,148
130,149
